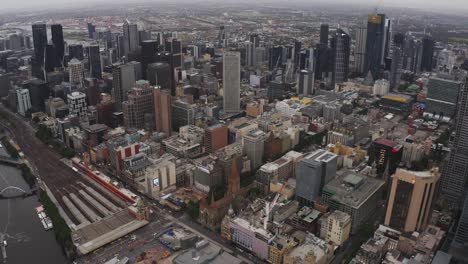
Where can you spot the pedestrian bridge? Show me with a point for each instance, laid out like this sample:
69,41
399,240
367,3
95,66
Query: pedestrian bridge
11,192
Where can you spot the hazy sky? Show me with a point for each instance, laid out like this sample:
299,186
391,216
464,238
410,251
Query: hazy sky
436,5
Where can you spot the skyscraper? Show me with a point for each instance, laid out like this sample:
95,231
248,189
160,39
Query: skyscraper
51,59
75,51
138,106
460,241
410,200
253,144
149,50
249,54
231,82
162,110
91,30
427,54
375,44
77,103
455,170
159,74
57,40
305,83
324,28
94,60
39,32
341,46
360,49
76,72
130,34
123,79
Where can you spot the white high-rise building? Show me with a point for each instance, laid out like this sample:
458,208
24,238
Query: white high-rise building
24,101
77,104
231,82
75,68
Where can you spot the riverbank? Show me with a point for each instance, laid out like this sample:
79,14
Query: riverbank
61,229
28,241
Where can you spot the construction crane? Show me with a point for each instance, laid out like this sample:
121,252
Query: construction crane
269,207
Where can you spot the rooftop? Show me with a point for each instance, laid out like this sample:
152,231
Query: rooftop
343,188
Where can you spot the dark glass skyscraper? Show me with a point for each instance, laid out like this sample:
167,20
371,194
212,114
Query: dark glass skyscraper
51,60
375,44
91,30
341,47
149,50
324,28
427,53
57,40
75,51
455,170
39,32
94,58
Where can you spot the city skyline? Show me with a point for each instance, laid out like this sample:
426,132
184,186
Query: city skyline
457,6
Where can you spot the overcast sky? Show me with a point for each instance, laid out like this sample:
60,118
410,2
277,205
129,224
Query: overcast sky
441,5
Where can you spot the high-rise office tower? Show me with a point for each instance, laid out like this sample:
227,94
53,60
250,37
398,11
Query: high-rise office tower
387,155
410,200
231,82
23,101
94,60
322,65
253,144
39,32
51,59
442,96
77,104
297,50
75,51
91,30
375,45
162,110
183,114
427,54
249,54
149,50
75,68
57,40
38,92
138,105
130,34
388,38
123,79
455,170
396,68
305,83
221,36
276,57
459,245
159,74
341,46
324,28
255,39
313,172
360,49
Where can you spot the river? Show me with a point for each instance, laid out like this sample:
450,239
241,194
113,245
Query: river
27,240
